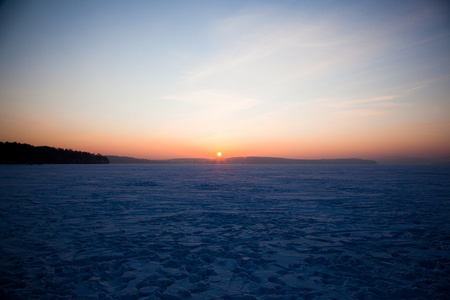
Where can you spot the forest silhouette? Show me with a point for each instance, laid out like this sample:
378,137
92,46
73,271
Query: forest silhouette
16,153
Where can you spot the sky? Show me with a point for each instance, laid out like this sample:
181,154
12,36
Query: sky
168,79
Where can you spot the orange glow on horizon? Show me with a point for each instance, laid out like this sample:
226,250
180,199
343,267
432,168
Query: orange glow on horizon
367,145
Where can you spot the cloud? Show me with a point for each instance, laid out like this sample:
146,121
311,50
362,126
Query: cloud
291,46
244,38
416,88
364,107
358,102
212,99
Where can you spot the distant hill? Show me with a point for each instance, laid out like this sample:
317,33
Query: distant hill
128,160
238,160
277,160
403,160
131,160
16,153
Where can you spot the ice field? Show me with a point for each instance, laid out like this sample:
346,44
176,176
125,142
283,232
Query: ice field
224,232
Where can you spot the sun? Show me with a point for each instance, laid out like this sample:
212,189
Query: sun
219,154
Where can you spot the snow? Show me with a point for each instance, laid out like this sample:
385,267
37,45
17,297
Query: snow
224,232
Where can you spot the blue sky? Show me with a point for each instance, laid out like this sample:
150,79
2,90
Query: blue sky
160,79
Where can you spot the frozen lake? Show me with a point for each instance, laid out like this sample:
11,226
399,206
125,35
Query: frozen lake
224,232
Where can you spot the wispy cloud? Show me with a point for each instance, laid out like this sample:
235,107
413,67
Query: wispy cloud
416,88
211,99
293,47
358,102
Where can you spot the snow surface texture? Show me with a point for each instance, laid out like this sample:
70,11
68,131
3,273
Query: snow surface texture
224,232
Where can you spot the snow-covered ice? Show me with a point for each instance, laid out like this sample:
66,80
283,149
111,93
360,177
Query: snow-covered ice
224,232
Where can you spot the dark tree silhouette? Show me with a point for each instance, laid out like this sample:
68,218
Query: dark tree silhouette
16,153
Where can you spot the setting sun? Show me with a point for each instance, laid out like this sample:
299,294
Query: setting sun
219,154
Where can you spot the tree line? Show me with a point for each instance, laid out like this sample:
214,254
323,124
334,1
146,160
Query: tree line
16,153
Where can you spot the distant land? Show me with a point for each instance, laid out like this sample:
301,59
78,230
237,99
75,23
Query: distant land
239,160
16,153
403,160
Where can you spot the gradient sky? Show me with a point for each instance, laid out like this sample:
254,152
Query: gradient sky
165,79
